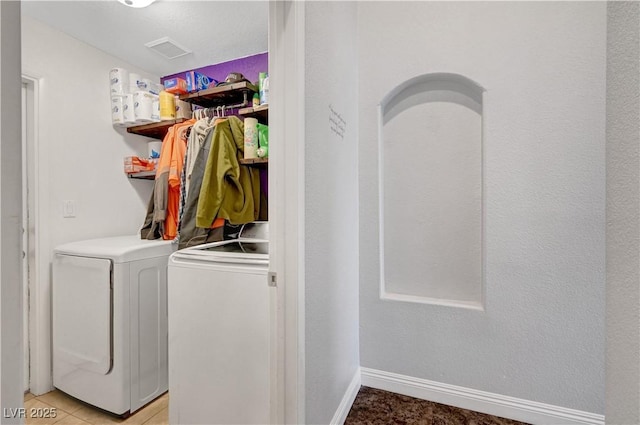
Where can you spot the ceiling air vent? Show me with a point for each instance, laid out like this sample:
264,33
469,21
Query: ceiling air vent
167,48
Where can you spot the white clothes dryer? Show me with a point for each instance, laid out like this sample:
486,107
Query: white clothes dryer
110,321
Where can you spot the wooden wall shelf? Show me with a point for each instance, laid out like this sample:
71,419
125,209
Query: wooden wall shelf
214,96
257,162
157,130
221,95
144,175
261,113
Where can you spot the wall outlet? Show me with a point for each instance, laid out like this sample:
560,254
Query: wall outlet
68,209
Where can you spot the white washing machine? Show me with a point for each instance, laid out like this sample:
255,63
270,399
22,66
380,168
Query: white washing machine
221,332
110,321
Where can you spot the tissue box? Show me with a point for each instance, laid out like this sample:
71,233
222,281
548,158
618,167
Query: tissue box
175,85
196,81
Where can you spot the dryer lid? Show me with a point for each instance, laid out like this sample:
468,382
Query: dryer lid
255,230
120,249
234,251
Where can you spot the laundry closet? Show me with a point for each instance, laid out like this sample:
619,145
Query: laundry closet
98,214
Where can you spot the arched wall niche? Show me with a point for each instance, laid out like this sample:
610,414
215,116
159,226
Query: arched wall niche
431,191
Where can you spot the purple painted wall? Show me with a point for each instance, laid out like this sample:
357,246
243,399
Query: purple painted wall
249,66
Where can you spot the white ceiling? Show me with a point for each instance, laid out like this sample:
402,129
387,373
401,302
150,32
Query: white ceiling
215,31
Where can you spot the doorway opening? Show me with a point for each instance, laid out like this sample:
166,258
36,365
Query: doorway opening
28,224
35,376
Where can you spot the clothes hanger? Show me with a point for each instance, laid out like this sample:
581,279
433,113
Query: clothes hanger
221,117
208,115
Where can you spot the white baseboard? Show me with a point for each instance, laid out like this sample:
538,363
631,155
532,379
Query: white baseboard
347,400
481,401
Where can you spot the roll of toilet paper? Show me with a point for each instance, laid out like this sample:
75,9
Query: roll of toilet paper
154,88
117,114
128,110
134,81
155,113
119,80
153,149
250,138
148,85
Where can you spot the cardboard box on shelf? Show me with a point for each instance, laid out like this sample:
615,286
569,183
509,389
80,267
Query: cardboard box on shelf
175,85
197,81
134,164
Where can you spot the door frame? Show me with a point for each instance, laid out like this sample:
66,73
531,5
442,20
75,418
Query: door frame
287,202
41,380
26,212
286,211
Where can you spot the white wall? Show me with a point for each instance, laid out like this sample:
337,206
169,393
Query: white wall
541,336
84,150
331,204
623,213
79,155
11,348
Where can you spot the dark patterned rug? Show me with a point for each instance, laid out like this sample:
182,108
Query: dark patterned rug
377,407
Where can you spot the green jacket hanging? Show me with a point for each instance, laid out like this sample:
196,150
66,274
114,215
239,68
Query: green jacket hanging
229,190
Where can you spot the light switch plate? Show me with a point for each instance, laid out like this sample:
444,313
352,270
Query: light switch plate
68,209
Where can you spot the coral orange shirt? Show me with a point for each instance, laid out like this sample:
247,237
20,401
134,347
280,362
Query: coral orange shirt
173,162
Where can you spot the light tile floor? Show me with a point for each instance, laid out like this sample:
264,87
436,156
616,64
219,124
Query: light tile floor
69,411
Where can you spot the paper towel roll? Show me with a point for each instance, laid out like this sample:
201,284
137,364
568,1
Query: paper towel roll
153,149
250,138
143,106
